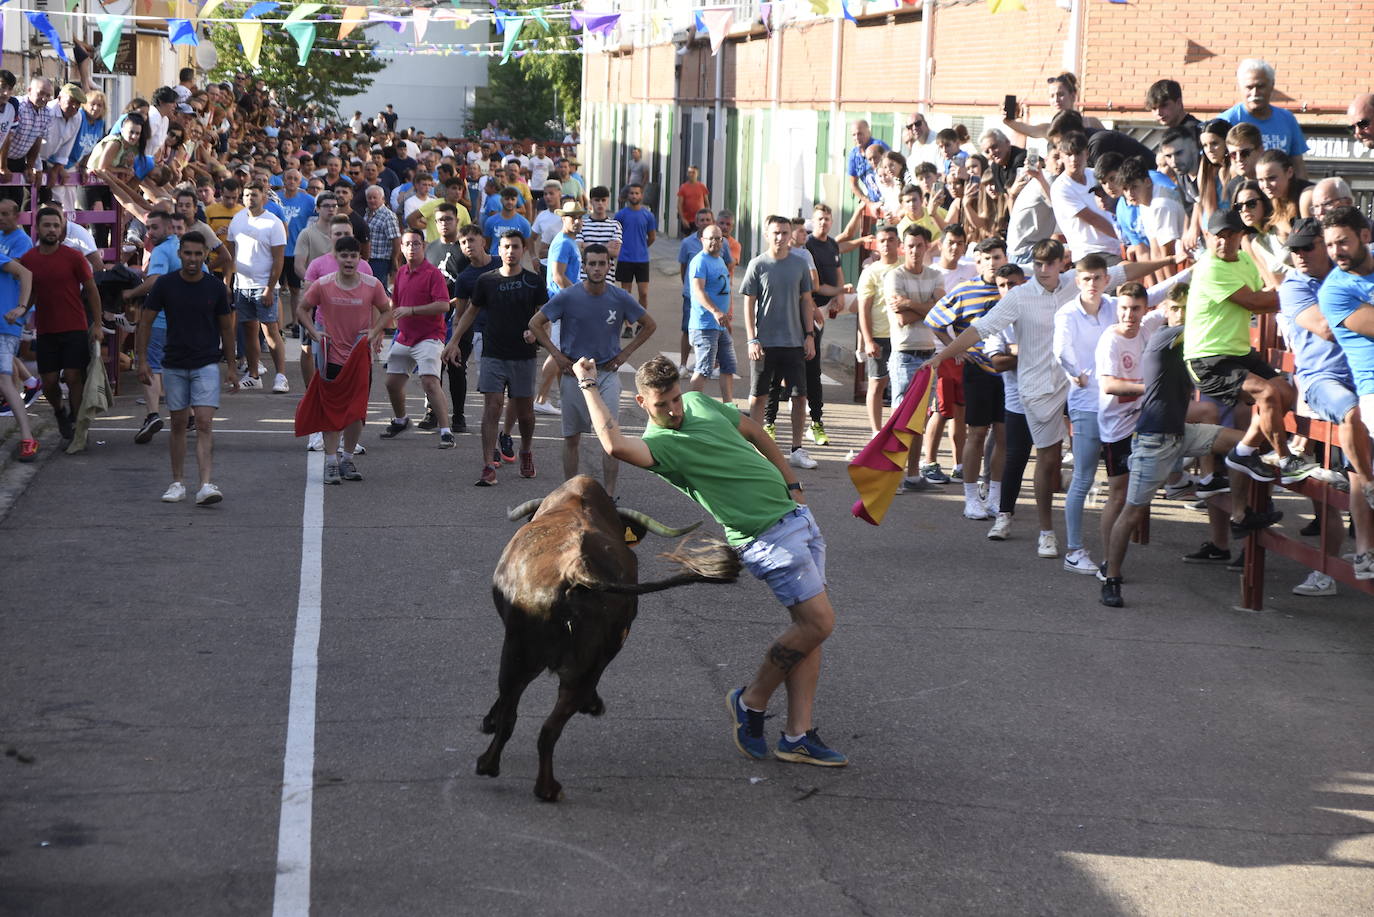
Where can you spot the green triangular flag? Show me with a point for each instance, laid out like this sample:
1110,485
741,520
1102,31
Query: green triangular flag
513,27
111,27
304,34
537,14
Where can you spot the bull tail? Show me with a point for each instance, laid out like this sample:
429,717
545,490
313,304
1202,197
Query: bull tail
705,561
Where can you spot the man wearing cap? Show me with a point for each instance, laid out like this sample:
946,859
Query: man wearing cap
64,125
1324,377
1224,292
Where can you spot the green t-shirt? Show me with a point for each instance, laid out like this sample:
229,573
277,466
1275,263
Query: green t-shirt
1216,326
707,459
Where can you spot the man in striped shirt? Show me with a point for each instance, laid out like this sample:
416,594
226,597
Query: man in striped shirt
952,318
600,229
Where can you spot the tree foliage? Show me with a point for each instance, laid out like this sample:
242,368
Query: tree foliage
536,95
323,81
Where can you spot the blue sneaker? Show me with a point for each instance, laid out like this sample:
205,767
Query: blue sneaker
748,729
809,749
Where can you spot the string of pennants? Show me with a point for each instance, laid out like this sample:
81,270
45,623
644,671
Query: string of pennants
713,21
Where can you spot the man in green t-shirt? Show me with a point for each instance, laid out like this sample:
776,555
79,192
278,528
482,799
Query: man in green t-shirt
1224,292
727,463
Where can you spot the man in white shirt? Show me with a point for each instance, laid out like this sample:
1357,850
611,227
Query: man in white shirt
424,185
62,130
547,223
1087,228
159,120
257,240
540,167
1162,218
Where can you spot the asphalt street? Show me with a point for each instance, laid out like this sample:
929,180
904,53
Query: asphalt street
1016,747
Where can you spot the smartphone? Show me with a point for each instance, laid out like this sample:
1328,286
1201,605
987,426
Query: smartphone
1032,160
1009,107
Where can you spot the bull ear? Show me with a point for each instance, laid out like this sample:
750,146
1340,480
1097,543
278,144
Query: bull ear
524,510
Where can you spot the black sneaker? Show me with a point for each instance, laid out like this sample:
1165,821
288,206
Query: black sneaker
65,428
430,422
1252,465
151,424
459,425
506,447
1237,563
1220,484
394,429
1253,521
446,441
1208,554
1111,592
190,423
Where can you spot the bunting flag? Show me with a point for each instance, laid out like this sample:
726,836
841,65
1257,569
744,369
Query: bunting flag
766,15
420,21
878,468
539,17
260,9
182,32
250,36
597,25
697,22
396,23
498,18
111,27
301,10
513,27
459,20
304,35
717,22
352,15
43,26
847,14
1006,6
209,7
822,7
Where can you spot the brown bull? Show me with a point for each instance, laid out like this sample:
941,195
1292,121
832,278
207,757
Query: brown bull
567,589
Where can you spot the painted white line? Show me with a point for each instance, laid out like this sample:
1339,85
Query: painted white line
291,897
217,430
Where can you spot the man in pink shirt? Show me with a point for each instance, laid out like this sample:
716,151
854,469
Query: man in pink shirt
421,304
343,304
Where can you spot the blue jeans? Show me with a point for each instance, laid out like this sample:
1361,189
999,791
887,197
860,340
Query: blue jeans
1087,449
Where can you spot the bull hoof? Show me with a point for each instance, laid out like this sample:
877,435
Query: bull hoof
550,792
594,707
488,724
489,766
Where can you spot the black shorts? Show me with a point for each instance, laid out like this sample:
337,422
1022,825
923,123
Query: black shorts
1117,457
625,271
1223,377
63,350
783,368
984,399
288,273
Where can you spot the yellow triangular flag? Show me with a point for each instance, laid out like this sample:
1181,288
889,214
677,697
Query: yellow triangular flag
209,7
352,15
250,35
1006,6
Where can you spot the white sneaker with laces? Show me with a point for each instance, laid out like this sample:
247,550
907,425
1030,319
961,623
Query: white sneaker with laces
262,370
1080,561
1001,528
976,510
1317,583
1048,545
544,407
316,443
798,458
280,385
208,495
175,493
250,382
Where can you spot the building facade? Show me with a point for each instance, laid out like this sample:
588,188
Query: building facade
768,119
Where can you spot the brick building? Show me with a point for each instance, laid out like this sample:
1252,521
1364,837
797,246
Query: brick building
768,119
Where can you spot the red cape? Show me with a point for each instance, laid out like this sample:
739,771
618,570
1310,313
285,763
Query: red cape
339,402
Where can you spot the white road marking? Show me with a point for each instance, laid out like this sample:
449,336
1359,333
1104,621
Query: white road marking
291,897
627,368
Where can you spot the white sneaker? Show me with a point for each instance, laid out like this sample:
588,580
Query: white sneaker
1079,561
1317,583
250,382
175,493
976,510
1048,545
208,495
799,459
360,449
1364,565
316,443
543,407
280,385
1001,528
262,370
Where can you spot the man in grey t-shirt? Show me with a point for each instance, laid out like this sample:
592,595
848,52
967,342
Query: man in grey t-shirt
778,316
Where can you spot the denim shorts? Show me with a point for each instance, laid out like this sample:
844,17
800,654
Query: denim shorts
248,305
187,388
1330,400
710,345
157,346
789,557
1154,455
9,349
902,367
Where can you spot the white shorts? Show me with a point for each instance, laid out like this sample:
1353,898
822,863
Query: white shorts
1045,417
426,355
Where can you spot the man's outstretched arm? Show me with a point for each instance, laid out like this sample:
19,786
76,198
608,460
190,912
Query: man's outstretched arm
613,439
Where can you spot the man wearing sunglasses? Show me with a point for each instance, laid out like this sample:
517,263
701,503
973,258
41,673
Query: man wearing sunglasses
1361,119
918,141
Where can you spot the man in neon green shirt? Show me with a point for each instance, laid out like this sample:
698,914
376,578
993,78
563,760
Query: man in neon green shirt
1224,292
727,463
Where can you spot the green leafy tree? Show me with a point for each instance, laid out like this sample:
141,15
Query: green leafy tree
535,95
323,81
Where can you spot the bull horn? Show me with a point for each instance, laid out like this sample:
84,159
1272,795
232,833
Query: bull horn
528,508
653,525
